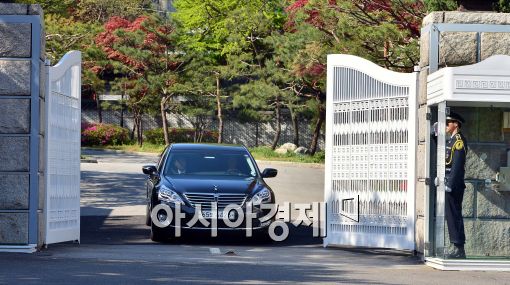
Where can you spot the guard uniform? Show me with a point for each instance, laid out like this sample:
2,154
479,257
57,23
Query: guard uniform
456,150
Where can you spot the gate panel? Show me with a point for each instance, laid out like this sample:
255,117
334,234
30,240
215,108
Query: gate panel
370,155
63,139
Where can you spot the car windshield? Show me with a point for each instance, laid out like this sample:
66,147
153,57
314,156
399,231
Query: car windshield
207,163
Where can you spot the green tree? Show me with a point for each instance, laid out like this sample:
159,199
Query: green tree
203,30
229,34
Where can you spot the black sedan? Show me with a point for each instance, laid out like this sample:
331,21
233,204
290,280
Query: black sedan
220,185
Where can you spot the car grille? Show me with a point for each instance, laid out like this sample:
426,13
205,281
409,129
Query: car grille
205,199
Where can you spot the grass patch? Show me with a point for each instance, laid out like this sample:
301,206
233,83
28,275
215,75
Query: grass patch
259,153
266,153
146,147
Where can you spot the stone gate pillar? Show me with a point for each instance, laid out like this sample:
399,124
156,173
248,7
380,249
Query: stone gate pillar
21,126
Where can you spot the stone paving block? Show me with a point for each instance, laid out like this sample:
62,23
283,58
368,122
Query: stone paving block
424,49
494,44
15,39
468,203
42,117
455,17
42,229
14,154
14,189
493,204
420,234
42,190
483,161
487,238
490,124
434,17
35,9
13,9
422,123
422,86
420,161
42,165
457,48
14,116
14,77
13,228
43,78
420,199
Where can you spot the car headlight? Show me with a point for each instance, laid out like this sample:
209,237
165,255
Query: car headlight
167,195
261,197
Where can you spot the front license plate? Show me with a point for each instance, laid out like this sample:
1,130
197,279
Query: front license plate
211,215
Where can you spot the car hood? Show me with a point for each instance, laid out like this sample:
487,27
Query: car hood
207,185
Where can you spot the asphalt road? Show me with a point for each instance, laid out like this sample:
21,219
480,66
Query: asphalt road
115,248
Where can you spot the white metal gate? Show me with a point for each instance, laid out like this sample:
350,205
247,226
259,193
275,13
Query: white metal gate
63,109
370,154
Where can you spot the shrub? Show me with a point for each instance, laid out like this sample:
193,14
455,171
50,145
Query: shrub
178,135
103,134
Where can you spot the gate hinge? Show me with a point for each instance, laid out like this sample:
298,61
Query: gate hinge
427,181
428,116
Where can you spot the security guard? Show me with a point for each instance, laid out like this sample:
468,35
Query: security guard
456,150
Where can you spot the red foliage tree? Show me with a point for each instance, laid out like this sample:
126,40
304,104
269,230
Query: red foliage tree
141,50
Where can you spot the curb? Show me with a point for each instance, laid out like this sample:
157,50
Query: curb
292,163
122,151
88,160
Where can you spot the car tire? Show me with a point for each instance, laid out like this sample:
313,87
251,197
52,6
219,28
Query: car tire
157,234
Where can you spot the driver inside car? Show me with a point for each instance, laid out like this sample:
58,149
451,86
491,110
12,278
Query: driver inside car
232,166
179,166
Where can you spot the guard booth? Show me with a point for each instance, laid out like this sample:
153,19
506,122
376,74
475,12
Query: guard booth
480,93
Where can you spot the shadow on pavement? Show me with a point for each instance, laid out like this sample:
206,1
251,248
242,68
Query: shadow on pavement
108,189
132,230
104,155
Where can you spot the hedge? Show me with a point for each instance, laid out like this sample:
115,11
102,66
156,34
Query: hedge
103,134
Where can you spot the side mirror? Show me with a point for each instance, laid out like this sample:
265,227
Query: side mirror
269,172
150,169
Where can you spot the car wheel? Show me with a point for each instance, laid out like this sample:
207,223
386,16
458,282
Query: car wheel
157,234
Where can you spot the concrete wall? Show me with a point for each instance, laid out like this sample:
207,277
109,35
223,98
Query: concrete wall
19,93
486,211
